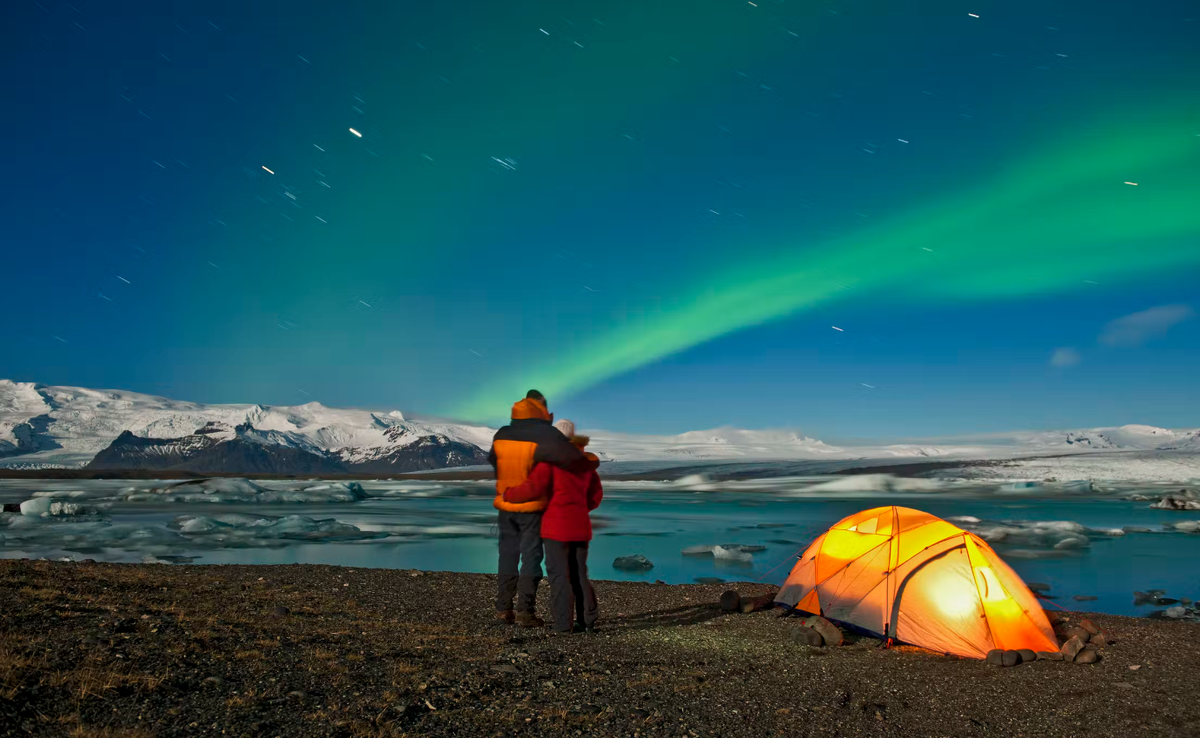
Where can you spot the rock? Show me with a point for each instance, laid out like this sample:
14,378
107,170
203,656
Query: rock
659,581
1085,598
1175,613
731,601
296,695
639,714
829,632
1089,626
995,657
1098,639
280,612
1010,658
1165,601
1038,586
1074,631
805,636
1071,647
762,602
1026,655
212,681
1049,656
1056,617
637,562
1087,656
1185,600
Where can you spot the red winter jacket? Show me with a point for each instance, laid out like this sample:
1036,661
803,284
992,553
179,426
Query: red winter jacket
572,496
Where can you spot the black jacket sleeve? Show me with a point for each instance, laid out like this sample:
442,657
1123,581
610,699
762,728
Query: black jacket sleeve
492,456
561,453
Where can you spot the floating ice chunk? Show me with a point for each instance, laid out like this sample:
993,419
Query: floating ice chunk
727,550
36,507
877,483
1174,502
243,490
695,483
1188,526
70,508
1061,535
731,554
1071,542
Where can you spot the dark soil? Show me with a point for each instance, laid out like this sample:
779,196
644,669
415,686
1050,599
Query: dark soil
138,650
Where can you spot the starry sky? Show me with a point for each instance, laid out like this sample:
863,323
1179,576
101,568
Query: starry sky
864,220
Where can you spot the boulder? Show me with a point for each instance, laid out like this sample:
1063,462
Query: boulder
1089,626
762,602
805,636
637,562
995,657
1098,640
1087,656
1071,647
1056,617
829,632
1175,612
1074,631
1010,658
1026,655
731,601
1049,656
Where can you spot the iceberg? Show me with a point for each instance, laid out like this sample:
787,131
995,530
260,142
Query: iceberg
227,490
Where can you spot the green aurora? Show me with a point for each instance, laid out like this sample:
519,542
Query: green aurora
1058,218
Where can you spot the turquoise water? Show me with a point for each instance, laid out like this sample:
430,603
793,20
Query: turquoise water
452,527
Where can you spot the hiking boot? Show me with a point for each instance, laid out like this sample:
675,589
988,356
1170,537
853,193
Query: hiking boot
529,620
505,616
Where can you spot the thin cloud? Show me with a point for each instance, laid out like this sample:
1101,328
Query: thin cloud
1137,328
1064,357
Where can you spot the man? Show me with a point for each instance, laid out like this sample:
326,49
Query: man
516,448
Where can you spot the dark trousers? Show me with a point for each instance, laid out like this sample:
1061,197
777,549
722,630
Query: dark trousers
520,567
571,592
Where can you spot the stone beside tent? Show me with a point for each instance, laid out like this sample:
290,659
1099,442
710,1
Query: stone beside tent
1081,643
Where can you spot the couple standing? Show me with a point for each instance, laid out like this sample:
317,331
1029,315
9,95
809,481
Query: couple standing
546,485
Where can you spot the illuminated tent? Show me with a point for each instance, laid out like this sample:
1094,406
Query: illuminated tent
907,575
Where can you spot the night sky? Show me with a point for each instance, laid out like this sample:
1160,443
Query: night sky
859,219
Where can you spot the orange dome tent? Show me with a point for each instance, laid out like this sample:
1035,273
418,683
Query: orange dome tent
908,575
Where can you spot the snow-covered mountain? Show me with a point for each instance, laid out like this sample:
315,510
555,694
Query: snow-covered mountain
719,443
69,426
73,427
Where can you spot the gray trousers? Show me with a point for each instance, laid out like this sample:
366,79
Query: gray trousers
571,595
520,568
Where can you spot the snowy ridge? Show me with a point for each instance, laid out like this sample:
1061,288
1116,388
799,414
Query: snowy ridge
68,426
46,426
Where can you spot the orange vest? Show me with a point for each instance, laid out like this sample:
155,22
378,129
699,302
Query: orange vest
514,459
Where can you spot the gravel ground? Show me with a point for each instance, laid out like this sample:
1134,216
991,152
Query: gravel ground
138,650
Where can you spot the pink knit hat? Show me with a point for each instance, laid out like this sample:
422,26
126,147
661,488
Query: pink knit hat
565,427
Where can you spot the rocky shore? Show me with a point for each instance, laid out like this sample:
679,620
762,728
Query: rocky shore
141,650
